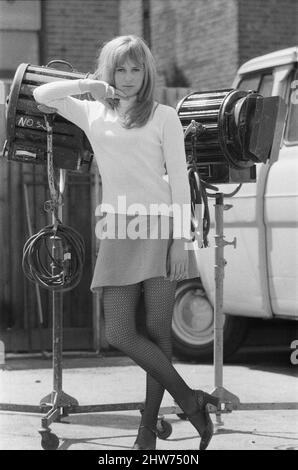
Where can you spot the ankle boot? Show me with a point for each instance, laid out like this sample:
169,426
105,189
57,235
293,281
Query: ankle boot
146,438
200,419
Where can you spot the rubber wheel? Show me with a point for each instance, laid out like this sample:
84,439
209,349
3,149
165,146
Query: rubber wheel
49,441
164,429
192,325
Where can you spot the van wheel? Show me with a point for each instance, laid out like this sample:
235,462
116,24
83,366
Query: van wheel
192,325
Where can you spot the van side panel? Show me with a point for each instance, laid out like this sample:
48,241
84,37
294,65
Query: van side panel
281,219
245,281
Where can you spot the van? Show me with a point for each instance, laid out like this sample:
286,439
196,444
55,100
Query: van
261,274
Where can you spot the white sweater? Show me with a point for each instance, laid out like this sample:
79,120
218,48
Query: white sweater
132,162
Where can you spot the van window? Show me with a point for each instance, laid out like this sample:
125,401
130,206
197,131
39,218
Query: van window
262,83
250,82
265,88
292,130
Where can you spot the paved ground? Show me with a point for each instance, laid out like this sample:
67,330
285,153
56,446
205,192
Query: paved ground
93,380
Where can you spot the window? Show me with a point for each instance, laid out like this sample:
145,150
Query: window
265,87
262,83
250,83
292,126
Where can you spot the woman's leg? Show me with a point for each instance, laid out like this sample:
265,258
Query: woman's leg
159,299
120,307
120,303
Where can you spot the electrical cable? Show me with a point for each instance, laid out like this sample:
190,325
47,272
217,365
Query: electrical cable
197,185
54,257
40,260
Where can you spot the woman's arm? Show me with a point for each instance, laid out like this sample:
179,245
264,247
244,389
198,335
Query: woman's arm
51,92
174,153
60,94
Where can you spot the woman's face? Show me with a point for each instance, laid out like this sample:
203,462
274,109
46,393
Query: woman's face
129,77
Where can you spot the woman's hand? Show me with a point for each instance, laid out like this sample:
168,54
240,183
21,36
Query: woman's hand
177,262
100,90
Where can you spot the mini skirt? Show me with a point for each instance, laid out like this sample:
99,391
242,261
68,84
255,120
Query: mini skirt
128,256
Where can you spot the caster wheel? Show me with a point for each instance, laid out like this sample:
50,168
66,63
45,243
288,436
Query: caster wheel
182,416
49,441
164,429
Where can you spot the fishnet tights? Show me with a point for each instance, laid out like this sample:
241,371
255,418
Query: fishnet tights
153,353
159,299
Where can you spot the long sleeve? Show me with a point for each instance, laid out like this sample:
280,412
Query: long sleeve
174,153
59,95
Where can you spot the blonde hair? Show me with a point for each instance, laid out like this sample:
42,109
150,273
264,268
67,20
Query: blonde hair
113,54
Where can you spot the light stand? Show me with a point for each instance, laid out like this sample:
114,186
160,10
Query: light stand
57,400
224,395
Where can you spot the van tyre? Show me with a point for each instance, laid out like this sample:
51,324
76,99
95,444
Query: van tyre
192,325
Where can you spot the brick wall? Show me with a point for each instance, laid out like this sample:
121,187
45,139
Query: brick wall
197,44
130,17
196,41
200,44
190,40
265,26
74,30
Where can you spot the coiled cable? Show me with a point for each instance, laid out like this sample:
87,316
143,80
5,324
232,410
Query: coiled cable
54,257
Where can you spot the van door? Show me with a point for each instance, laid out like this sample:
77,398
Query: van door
281,215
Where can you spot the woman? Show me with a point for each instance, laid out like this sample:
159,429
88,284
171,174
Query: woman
136,141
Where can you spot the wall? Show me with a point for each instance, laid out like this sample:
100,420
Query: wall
131,17
189,39
74,30
198,38
265,26
200,44
19,34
